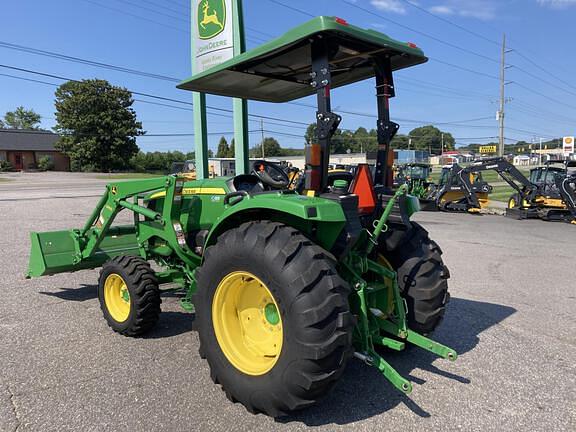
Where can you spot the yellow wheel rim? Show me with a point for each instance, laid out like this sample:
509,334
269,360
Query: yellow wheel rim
117,297
512,203
247,323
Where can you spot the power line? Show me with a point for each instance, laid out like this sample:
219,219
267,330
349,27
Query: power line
544,95
472,71
540,79
135,16
466,50
408,28
156,96
94,63
37,132
121,11
80,60
452,23
295,9
458,123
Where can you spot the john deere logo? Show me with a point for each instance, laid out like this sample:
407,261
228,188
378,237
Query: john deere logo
211,18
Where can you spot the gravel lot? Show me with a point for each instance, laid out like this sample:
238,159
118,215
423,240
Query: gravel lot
511,319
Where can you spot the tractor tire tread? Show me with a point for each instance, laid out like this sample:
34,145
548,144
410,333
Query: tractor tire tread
321,342
422,276
144,294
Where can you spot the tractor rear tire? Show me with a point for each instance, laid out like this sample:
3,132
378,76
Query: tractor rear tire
129,295
422,275
315,333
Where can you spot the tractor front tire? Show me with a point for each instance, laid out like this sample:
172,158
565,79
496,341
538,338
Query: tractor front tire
129,295
422,275
273,318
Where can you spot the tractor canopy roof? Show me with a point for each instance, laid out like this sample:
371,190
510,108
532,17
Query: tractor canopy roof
279,70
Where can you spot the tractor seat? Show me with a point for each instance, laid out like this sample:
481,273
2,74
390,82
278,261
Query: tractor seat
247,183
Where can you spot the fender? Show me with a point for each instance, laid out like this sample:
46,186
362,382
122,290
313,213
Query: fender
318,218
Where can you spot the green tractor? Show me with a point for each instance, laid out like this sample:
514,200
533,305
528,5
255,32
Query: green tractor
417,176
286,287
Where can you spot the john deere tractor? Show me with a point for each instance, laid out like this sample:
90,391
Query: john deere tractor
286,287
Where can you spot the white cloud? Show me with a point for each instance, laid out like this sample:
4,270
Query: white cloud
557,4
442,10
395,6
481,9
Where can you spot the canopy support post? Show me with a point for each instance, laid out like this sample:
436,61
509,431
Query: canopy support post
386,129
318,154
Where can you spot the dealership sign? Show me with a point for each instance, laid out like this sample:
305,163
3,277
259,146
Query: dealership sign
488,149
213,38
568,145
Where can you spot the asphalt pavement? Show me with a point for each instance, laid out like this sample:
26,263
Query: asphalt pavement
511,319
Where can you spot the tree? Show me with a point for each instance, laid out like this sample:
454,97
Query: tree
223,148
310,135
430,138
401,142
46,164
271,148
97,124
232,149
21,118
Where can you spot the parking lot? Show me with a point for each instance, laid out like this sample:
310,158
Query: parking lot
511,318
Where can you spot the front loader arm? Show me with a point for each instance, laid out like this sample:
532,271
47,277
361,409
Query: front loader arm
567,188
112,202
90,246
508,172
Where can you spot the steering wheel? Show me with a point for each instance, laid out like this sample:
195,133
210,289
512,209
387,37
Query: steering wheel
270,174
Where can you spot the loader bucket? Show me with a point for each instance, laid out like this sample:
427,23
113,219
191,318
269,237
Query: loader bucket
59,251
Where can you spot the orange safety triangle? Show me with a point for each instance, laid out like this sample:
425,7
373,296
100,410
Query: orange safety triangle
363,187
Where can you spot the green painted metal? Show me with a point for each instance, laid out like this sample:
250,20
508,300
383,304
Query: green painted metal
291,209
284,78
241,136
200,135
168,210
271,314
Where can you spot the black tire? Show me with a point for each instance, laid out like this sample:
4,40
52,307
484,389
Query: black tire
144,294
422,275
313,304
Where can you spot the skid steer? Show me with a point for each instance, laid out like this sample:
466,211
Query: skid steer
286,287
549,194
460,190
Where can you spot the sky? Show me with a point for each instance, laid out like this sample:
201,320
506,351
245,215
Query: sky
458,89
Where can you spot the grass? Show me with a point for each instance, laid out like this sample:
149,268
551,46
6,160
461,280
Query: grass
501,193
489,176
126,176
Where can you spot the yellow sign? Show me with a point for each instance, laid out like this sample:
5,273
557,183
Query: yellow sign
488,149
568,145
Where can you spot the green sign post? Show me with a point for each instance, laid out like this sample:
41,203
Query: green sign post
217,36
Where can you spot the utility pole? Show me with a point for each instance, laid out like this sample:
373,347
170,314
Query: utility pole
262,130
540,154
442,144
502,96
